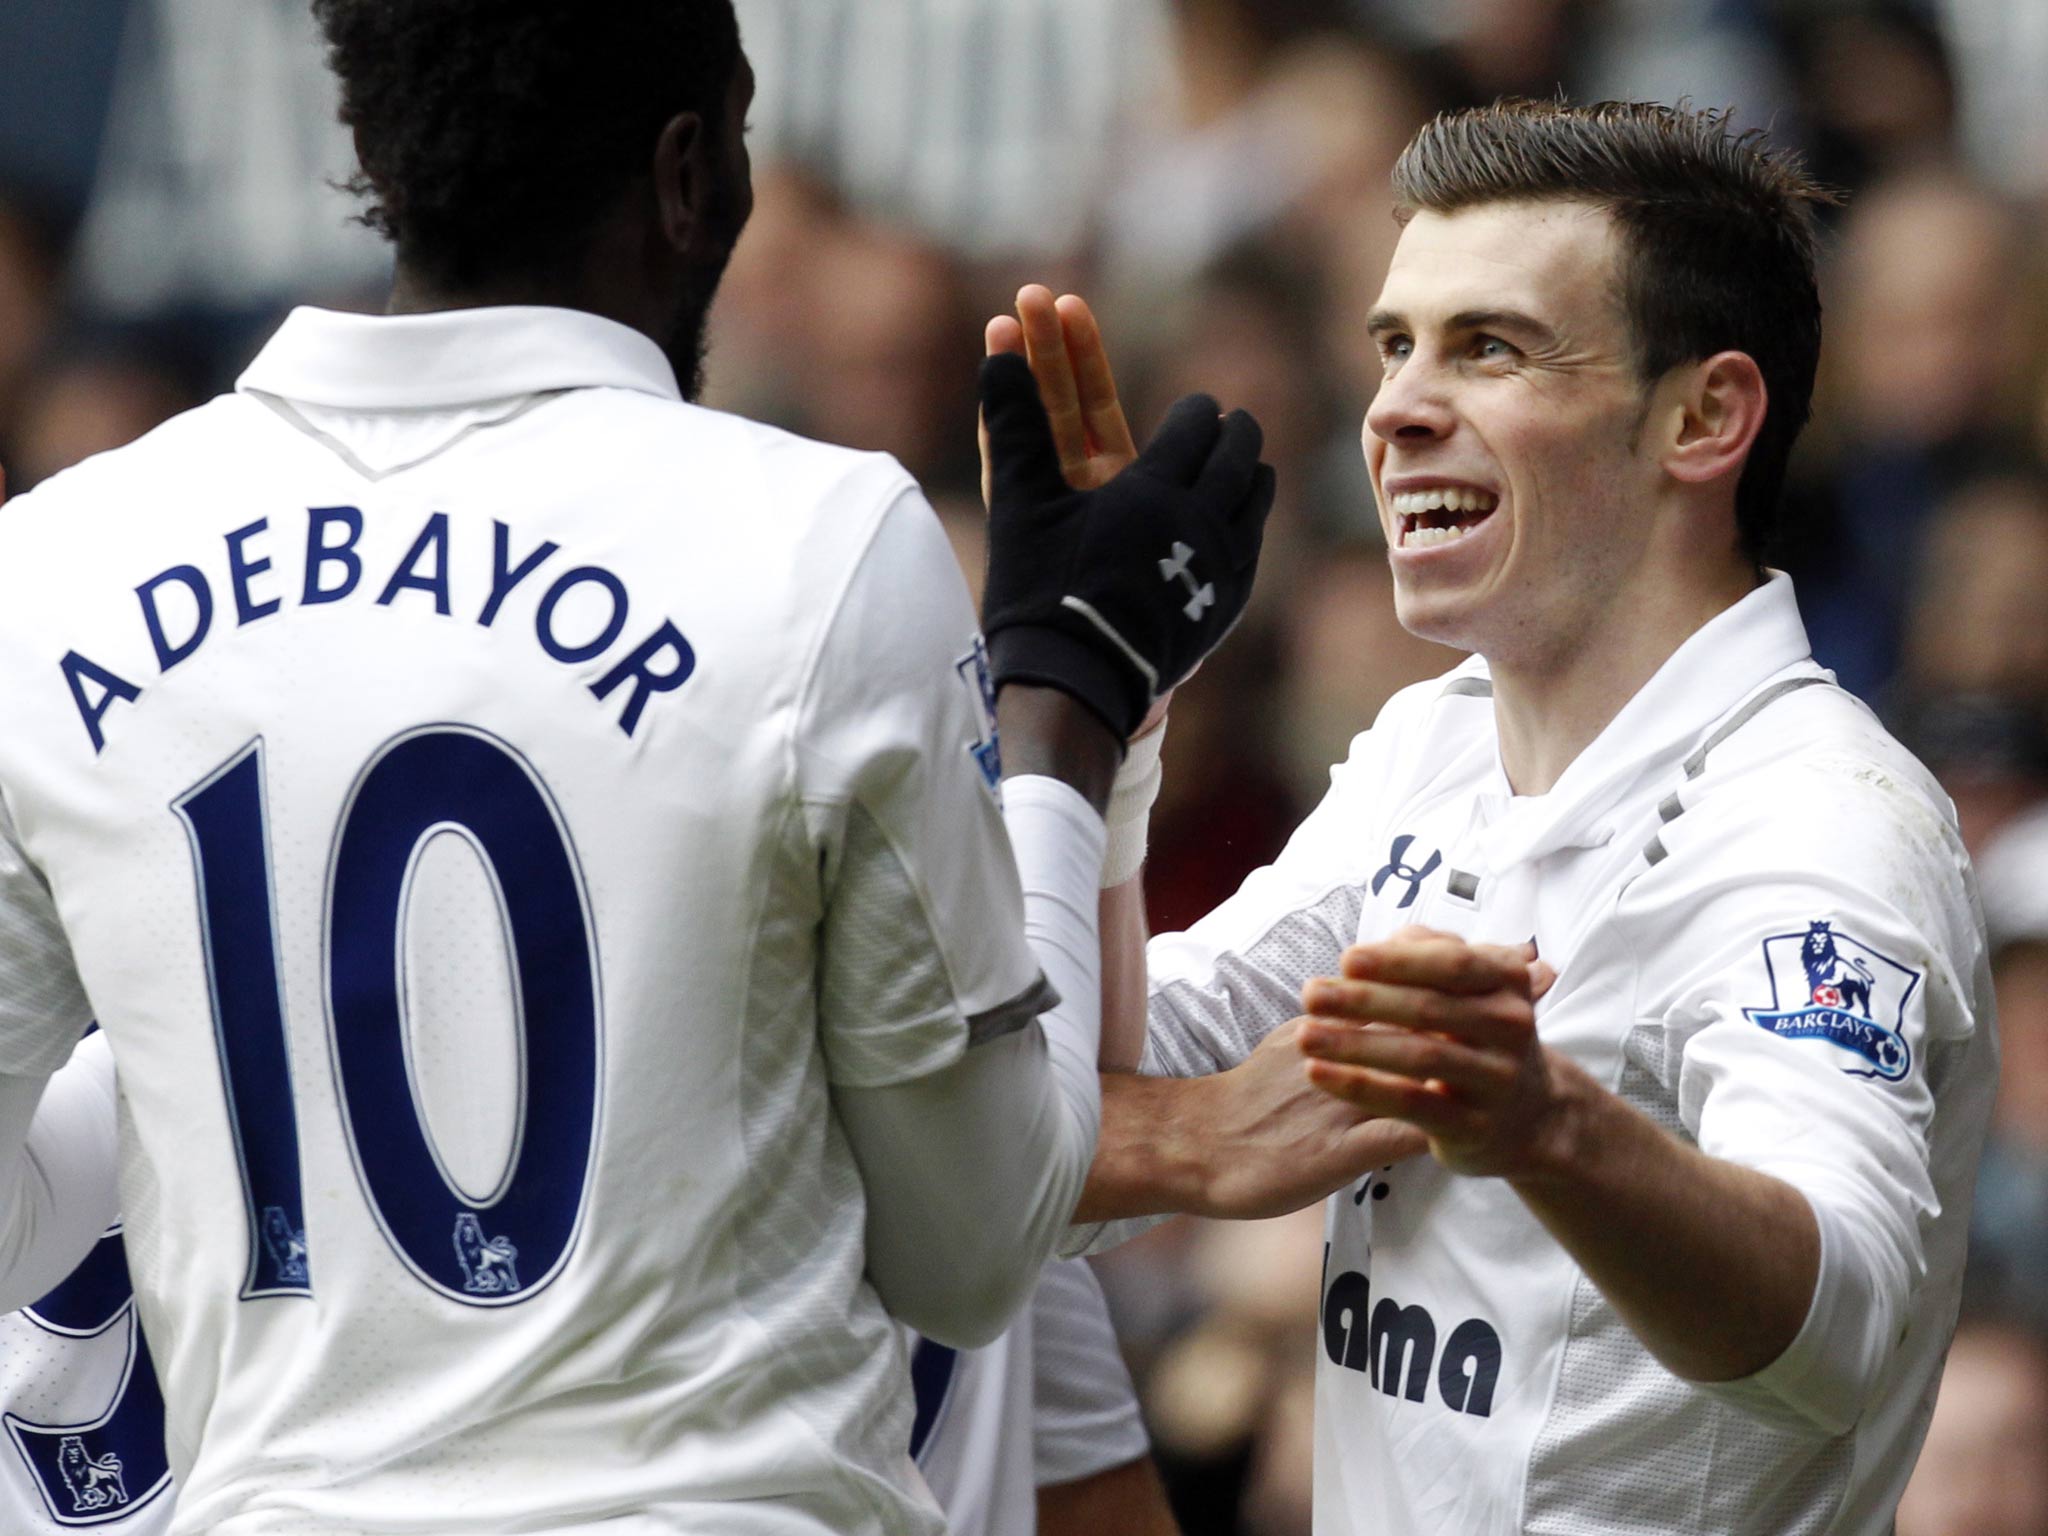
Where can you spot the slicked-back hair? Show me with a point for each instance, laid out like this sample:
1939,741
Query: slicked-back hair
493,134
1717,239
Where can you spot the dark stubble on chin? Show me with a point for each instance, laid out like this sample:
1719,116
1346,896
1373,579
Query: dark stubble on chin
688,343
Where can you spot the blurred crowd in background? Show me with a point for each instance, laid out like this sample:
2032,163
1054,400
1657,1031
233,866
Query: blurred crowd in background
1213,175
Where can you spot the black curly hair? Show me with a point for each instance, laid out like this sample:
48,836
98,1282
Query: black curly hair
493,134
1718,232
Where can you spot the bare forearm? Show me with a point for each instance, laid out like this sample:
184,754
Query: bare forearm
1148,1153
1121,918
1711,1265
1045,731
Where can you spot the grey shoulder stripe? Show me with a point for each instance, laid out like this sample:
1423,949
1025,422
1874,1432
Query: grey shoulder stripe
1008,1018
1653,852
1696,764
1671,807
1468,688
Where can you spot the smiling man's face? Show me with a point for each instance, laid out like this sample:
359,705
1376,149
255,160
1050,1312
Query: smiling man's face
1505,443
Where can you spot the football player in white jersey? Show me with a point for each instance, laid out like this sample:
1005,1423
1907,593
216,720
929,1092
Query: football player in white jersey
1040,1430
79,1403
1686,1252
534,845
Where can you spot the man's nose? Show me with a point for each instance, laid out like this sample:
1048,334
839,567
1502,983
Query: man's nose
1412,404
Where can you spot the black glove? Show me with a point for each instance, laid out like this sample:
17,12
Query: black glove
1114,595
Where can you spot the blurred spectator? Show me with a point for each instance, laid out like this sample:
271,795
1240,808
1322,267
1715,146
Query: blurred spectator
760,326
1923,383
1972,696
1272,109
1231,810
889,350
2001,51
1877,93
1225,1397
88,399
56,70
29,274
1984,1469
1480,49
1717,53
2009,1223
986,125
218,182
1345,655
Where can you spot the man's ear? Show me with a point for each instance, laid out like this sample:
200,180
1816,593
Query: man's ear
1720,411
682,181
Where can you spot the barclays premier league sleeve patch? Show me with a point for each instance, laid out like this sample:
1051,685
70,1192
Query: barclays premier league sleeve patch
986,749
1829,987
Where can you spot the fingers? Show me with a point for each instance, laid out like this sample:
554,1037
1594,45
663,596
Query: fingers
1045,344
1502,1021
1430,1110
1443,962
1182,445
1234,462
1022,462
1003,334
1109,432
1423,1058
1380,1143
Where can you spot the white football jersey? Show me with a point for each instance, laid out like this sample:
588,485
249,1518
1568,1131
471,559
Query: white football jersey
1049,1402
83,1414
490,805
1766,940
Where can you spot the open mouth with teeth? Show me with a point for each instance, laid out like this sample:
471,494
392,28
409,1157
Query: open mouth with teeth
1440,514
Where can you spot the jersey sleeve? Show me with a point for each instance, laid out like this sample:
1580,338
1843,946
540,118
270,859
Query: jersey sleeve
1810,973
43,1008
1085,1416
898,766
1236,975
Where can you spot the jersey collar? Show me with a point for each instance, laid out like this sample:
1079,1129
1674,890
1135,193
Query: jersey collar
451,358
1722,663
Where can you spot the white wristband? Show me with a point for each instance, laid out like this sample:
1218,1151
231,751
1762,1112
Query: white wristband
1129,812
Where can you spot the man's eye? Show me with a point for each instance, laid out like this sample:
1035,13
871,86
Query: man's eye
1492,347
1395,349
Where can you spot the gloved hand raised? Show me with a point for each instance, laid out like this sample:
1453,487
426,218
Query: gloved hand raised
1114,595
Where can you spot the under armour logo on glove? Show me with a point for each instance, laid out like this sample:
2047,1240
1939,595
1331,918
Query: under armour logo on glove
1077,597
1176,569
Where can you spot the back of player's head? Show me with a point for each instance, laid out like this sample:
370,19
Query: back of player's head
1717,238
493,134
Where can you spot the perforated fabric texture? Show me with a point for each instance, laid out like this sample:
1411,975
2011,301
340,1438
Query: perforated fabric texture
1630,1450
801,1237
43,1009
1086,1409
1198,1029
885,1003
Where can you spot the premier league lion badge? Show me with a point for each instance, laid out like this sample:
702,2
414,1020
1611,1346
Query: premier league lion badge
1829,987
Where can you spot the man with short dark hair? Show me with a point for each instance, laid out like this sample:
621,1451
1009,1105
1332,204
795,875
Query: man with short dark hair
540,854
1686,1253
